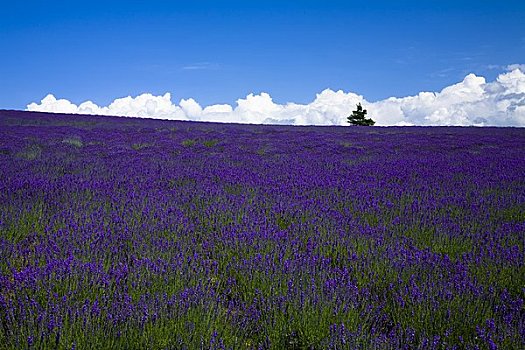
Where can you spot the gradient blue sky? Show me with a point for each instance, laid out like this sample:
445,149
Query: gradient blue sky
219,51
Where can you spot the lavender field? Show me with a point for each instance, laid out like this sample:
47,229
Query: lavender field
123,233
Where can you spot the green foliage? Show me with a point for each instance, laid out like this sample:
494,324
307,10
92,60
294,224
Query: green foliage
139,146
210,143
31,152
73,141
261,151
189,142
358,117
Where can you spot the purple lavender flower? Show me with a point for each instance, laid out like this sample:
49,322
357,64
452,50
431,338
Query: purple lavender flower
259,236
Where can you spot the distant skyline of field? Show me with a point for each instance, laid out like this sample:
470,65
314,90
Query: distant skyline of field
287,62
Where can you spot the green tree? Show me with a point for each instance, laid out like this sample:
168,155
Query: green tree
358,117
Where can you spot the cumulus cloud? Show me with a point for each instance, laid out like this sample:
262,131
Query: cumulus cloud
514,66
145,106
473,101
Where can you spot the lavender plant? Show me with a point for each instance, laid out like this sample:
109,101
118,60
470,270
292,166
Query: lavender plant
223,236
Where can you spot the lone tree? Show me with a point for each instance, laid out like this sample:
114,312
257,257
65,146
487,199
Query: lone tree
358,117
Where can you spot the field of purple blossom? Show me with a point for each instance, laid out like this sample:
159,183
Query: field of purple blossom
125,233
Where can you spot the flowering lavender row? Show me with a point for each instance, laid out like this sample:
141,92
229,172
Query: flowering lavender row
130,234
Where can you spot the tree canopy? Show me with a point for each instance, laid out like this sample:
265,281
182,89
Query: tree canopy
358,117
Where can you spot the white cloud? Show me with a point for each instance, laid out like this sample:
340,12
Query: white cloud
218,109
472,101
201,66
191,108
515,66
145,105
51,104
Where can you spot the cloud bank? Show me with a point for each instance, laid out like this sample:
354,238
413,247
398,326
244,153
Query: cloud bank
470,102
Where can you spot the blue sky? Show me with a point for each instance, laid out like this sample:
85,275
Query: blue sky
220,51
